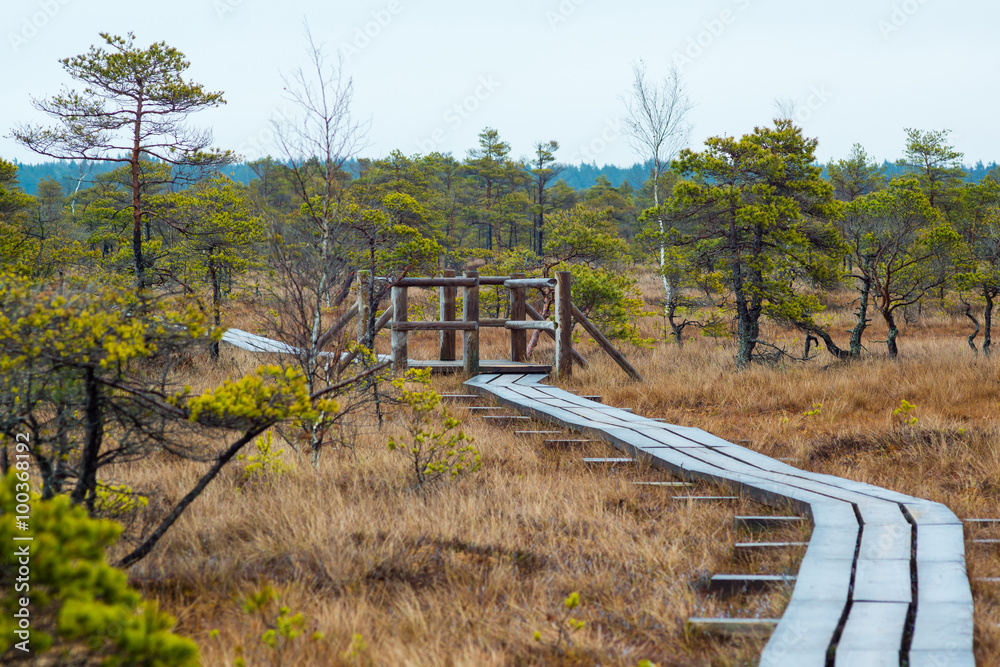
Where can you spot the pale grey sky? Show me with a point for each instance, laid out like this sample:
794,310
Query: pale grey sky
430,74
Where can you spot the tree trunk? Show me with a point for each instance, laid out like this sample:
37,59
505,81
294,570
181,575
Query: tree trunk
988,322
975,332
862,322
143,549
214,273
86,484
138,260
890,340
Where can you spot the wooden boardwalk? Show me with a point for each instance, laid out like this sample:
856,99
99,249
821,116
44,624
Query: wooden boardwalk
883,580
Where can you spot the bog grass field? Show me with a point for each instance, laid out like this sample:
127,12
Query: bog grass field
478,571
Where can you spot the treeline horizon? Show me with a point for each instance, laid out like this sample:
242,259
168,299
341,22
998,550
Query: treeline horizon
578,177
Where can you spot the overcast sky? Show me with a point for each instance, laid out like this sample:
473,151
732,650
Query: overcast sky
431,74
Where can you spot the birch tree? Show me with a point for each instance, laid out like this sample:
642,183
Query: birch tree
657,128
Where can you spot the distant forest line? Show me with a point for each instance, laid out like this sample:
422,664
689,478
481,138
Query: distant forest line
578,177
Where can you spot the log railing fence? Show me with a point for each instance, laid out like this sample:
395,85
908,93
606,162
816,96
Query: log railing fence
522,318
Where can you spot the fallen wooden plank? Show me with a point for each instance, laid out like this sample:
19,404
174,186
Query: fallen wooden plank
461,398
764,522
607,461
705,498
733,627
505,420
767,546
534,433
734,584
566,442
673,484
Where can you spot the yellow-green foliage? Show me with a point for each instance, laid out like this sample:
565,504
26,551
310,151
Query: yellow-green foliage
115,501
281,627
816,408
272,393
80,606
435,448
902,413
565,625
266,463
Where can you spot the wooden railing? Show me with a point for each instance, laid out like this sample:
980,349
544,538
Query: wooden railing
518,322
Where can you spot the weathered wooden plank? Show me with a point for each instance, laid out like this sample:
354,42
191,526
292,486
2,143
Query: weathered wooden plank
886,542
941,625
522,326
705,498
928,513
470,339
535,433
398,336
443,281
767,546
607,461
435,326
733,627
528,283
446,313
882,581
564,323
566,442
873,626
498,366
764,522
605,344
669,484
823,579
940,542
955,656
735,584
886,657
460,398
518,312
803,635
942,581
505,420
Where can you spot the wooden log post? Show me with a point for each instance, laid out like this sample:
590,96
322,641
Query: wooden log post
446,313
564,325
606,344
518,312
364,304
399,310
470,339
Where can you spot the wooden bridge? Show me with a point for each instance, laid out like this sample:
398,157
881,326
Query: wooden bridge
883,580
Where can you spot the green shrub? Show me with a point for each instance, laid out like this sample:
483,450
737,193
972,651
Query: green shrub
80,609
435,448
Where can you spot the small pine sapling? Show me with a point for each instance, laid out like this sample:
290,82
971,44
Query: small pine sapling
436,449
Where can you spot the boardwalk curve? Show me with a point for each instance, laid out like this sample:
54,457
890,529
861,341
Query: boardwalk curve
883,580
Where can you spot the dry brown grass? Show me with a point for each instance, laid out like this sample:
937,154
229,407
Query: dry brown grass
465,575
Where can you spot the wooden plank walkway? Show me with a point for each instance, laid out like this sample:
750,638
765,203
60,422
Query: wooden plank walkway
883,580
